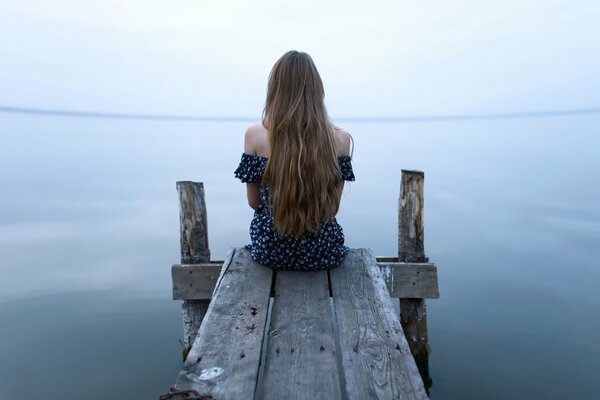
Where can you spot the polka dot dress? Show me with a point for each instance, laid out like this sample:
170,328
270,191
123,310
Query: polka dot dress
311,252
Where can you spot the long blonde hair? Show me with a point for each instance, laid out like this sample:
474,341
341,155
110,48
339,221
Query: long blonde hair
302,173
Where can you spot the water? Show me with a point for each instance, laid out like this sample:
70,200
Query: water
89,230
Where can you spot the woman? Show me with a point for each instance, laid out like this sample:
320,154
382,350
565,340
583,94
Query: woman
294,166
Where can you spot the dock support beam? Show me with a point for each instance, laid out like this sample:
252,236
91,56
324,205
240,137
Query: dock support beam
194,250
411,235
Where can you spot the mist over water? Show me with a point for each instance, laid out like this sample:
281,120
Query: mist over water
89,230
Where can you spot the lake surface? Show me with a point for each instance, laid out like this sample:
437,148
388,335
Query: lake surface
89,230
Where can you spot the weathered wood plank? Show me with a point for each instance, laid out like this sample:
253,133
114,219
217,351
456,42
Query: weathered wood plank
410,280
375,355
193,227
411,248
411,223
193,223
225,357
301,358
194,281
403,280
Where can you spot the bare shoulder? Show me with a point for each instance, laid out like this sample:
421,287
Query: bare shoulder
256,140
343,141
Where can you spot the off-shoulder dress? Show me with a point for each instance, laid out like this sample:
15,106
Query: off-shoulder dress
311,252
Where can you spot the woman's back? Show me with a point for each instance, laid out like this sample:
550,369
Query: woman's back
295,164
322,250
256,141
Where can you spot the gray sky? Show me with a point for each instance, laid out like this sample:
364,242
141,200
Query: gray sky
102,191
376,57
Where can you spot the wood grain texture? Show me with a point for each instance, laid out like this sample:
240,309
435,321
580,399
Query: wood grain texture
375,355
403,280
301,356
225,357
193,223
193,229
194,281
413,317
410,280
411,248
411,226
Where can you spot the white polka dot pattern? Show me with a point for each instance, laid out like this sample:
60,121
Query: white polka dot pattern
310,252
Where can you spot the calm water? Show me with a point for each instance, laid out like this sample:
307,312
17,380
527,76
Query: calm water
89,230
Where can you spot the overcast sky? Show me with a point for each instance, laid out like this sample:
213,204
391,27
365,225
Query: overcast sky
375,57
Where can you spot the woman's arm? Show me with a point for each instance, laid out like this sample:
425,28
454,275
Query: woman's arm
253,193
252,189
343,144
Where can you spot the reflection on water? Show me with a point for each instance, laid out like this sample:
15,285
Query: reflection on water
89,229
88,345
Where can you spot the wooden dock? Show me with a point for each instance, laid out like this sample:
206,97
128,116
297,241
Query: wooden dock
257,333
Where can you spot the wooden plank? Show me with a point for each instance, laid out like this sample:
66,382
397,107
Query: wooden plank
193,229
193,224
301,358
411,248
411,223
375,355
194,281
225,356
403,280
410,280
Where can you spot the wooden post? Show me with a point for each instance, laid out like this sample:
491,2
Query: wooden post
413,314
194,250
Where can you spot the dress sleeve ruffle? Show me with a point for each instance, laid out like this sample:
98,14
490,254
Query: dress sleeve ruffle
346,168
251,168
